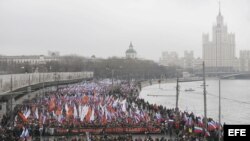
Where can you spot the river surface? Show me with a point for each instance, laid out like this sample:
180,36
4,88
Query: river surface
235,102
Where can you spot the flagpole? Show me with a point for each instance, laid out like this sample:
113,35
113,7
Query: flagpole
219,110
177,94
112,71
205,96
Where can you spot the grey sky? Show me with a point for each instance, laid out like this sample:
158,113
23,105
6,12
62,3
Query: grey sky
105,27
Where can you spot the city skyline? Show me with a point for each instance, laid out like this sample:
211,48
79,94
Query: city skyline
94,28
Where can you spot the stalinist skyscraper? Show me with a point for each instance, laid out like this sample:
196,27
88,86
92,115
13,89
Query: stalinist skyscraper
219,53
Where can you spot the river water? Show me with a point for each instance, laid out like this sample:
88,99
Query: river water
235,102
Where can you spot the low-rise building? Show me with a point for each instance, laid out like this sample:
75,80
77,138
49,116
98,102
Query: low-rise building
30,59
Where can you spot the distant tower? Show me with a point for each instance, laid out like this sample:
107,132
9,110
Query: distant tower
219,53
131,53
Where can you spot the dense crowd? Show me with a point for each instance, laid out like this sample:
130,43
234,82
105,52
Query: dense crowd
99,104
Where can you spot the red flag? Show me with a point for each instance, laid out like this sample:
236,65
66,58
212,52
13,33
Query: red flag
70,112
104,119
88,114
52,104
59,110
85,99
22,117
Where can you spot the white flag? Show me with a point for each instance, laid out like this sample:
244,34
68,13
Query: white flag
27,114
75,111
92,117
36,113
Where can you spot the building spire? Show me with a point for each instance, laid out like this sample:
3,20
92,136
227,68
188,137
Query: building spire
219,8
219,17
130,45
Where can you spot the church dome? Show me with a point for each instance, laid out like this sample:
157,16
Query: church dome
130,50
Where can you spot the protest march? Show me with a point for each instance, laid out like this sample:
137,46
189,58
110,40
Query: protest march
98,107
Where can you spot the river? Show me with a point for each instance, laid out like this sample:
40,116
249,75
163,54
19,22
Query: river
235,102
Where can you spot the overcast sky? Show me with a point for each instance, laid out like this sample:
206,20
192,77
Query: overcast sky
105,27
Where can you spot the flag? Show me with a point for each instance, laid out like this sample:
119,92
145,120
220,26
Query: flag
58,110
84,112
104,119
88,114
26,134
115,103
92,117
75,112
185,117
207,134
158,116
211,126
70,112
217,124
200,122
23,133
85,99
24,119
44,118
52,104
198,129
36,113
124,106
80,110
40,122
27,114
190,130
189,121
66,108
60,118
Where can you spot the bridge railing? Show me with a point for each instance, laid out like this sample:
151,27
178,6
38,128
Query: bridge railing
15,81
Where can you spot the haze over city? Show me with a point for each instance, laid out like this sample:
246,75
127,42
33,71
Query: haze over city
127,70
105,28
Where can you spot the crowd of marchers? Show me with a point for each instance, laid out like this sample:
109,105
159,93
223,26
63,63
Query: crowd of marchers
101,104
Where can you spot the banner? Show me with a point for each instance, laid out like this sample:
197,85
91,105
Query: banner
114,130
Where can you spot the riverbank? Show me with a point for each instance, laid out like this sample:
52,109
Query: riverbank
234,93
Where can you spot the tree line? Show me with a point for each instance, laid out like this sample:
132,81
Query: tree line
120,68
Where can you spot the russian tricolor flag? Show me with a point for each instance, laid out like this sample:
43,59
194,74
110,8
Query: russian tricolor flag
211,126
198,129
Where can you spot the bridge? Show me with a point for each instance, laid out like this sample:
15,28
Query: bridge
227,75
15,87
13,82
240,75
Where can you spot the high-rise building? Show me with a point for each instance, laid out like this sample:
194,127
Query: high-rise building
219,53
244,60
169,59
188,59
